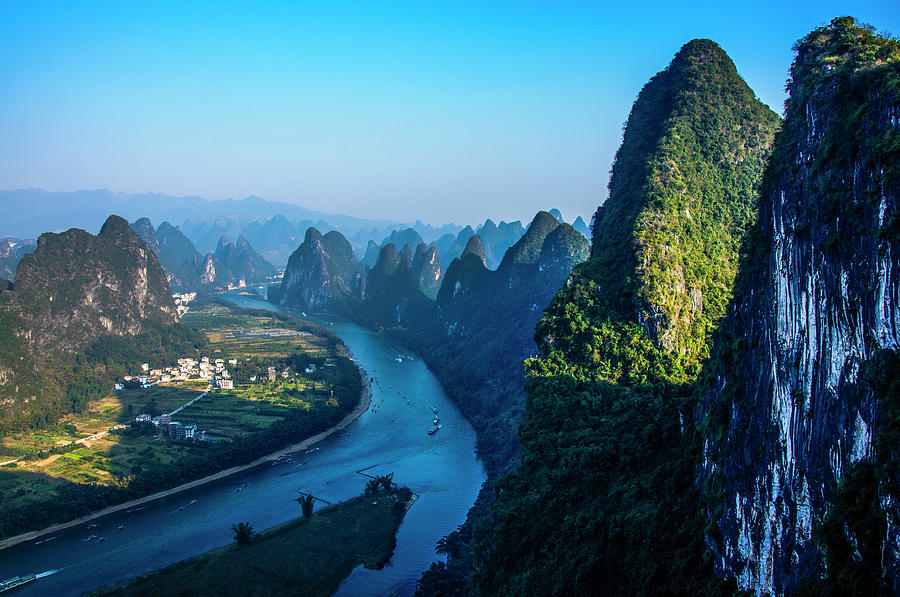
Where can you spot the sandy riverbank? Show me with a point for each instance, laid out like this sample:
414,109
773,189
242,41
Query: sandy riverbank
365,399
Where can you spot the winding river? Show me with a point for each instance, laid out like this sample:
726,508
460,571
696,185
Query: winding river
390,437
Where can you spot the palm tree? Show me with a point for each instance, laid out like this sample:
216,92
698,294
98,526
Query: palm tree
306,504
372,486
243,532
385,481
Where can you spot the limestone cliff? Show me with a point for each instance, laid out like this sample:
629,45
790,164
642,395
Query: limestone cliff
793,411
77,286
322,273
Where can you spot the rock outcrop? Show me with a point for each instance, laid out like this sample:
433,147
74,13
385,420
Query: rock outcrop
77,286
323,273
794,407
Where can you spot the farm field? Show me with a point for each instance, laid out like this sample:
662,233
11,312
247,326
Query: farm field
105,451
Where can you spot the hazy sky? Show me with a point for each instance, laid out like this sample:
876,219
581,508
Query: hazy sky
408,110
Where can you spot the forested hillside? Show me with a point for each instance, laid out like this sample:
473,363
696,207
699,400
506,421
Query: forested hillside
83,307
604,497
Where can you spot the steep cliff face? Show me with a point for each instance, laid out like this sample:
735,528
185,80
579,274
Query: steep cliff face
322,273
77,286
426,269
792,410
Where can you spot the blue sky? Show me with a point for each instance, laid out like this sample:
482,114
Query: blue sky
436,111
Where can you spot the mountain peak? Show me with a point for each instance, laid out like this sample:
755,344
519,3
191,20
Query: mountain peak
115,226
475,247
528,248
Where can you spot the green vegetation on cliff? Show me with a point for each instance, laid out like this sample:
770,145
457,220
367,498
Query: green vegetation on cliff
604,497
665,243
81,306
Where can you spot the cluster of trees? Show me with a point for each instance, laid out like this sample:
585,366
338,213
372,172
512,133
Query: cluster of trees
243,532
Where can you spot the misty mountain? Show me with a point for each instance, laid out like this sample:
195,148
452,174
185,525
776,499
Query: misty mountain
26,213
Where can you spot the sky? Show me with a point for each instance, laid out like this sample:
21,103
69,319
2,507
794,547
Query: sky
438,111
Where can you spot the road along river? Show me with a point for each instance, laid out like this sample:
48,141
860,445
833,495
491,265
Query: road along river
390,437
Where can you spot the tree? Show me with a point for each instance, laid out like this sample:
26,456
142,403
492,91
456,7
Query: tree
385,481
372,487
306,504
243,533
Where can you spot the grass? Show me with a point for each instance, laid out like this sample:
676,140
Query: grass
302,557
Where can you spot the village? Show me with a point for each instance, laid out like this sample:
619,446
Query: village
214,371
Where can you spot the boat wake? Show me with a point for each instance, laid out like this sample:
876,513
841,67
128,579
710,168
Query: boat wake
47,573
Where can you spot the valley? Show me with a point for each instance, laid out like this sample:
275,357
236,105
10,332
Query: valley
695,394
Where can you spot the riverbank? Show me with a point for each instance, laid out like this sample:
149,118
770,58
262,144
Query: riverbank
308,556
365,399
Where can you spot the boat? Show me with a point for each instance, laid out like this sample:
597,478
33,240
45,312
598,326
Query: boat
16,581
434,409
436,420
121,527
92,526
434,429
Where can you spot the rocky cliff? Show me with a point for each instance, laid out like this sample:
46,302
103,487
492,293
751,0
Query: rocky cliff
323,273
426,269
77,286
794,408
401,288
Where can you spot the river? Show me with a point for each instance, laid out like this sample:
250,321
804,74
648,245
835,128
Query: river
390,437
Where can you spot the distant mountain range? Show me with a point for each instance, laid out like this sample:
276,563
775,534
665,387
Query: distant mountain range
27,213
274,228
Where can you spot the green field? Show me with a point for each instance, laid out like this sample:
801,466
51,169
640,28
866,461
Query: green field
307,557
255,418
